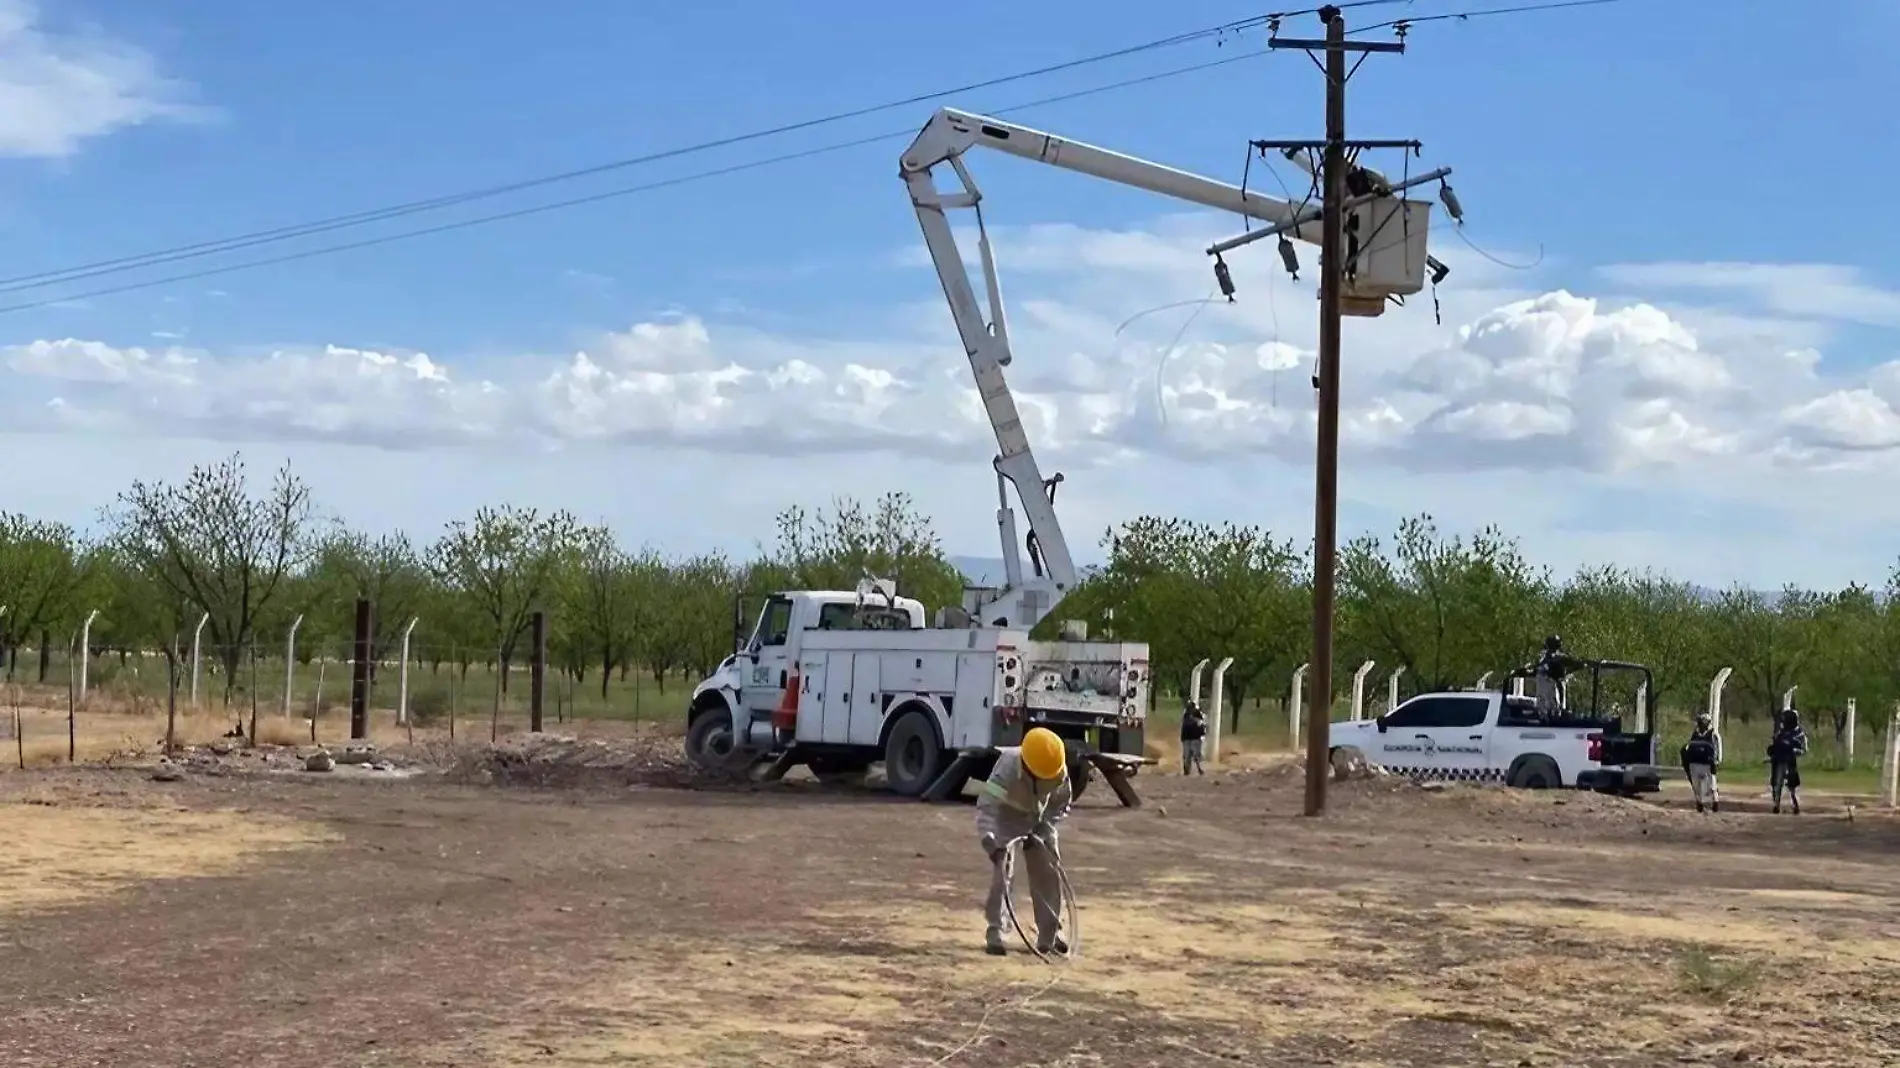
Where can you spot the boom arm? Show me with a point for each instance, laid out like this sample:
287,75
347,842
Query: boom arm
1024,601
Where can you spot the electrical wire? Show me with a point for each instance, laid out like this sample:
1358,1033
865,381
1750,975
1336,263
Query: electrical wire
1465,16
1473,246
1074,928
395,211
593,198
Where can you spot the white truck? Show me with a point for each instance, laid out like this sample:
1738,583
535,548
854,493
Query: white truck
932,703
1496,737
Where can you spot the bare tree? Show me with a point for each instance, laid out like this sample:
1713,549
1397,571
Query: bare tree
209,542
504,562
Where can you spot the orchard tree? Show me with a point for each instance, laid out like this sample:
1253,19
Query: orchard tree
1444,608
1766,640
43,571
504,563
890,539
1613,613
386,569
610,598
210,542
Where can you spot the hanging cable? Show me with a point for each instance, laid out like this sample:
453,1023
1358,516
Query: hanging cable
1218,33
594,198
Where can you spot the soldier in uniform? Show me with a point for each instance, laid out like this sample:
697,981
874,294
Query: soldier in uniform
1701,759
1785,751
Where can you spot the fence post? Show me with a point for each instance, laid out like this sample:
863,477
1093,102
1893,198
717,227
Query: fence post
1392,688
85,651
402,677
1890,759
1194,683
1716,686
196,637
537,670
1642,708
1217,697
290,663
1295,707
1359,690
362,649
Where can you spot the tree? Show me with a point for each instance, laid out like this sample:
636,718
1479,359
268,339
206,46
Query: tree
1196,590
209,542
1615,613
1766,642
1446,609
43,567
832,551
1843,653
504,563
609,597
386,569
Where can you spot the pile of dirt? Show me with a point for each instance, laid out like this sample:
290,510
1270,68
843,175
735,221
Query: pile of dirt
559,760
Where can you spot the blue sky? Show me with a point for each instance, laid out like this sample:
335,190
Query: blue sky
1672,132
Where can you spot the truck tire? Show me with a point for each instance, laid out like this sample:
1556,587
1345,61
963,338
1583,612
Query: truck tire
1535,773
913,758
709,740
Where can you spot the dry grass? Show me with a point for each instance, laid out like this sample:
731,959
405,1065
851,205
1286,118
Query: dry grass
55,854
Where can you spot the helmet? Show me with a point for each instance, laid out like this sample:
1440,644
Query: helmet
1703,719
1553,643
1042,753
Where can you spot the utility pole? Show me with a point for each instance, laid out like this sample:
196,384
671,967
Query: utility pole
1333,170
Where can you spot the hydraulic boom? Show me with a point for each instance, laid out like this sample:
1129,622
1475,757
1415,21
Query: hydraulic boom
1025,600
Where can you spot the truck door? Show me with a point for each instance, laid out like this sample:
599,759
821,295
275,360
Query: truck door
769,657
1436,736
839,700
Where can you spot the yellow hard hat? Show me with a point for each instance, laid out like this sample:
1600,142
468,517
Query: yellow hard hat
1042,753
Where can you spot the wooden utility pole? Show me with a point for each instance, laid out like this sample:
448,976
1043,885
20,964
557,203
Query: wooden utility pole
363,648
538,671
1333,169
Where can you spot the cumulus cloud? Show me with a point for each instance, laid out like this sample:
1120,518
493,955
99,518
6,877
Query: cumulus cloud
1514,381
59,89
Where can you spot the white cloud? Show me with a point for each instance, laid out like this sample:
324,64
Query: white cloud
60,89
1813,290
1470,420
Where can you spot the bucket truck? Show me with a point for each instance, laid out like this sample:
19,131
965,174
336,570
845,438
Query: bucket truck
838,681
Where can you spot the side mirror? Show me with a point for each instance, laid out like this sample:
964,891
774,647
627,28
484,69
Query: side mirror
1380,723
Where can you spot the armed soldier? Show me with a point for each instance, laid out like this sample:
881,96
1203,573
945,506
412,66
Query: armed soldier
1785,751
1193,739
1549,672
1701,759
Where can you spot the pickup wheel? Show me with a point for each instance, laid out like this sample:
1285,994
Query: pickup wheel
1534,773
912,756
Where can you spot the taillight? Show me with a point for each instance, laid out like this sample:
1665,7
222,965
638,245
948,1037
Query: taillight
1596,746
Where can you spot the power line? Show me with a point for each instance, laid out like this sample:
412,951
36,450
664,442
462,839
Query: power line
610,194
252,239
1465,16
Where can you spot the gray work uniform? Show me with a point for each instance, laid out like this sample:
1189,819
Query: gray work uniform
1012,805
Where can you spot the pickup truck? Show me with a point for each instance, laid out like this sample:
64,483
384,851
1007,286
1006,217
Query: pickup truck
1490,736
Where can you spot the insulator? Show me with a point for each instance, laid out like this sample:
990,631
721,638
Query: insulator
1224,279
1290,256
1450,200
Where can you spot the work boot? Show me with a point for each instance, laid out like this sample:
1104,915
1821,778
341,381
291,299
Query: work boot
1057,946
1698,806
1715,806
993,945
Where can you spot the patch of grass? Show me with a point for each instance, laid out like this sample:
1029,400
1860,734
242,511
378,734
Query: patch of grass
1706,974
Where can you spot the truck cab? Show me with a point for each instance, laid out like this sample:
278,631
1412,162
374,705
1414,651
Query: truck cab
1491,736
732,708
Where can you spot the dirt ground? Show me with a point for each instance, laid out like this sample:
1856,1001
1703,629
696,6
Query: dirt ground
266,920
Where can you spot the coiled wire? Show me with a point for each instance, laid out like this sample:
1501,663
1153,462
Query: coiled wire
1068,919
1066,912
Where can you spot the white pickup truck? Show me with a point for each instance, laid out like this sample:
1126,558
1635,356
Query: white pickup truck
1491,736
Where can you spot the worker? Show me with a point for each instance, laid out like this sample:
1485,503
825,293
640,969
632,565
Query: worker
1193,738
1026,796
1785,751
1701,759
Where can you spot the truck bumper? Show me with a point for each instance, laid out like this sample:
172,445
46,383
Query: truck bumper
1626,780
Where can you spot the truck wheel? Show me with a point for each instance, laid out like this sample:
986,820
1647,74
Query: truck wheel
1536,773
709,741
912,757
1080,773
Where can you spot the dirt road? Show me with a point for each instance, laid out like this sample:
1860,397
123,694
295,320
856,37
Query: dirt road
246,922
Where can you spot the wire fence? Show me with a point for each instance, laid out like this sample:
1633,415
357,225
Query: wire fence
54,706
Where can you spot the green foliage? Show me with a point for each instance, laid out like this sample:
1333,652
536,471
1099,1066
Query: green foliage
1448,608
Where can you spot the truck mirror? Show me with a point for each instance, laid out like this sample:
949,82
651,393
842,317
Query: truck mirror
1380,723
